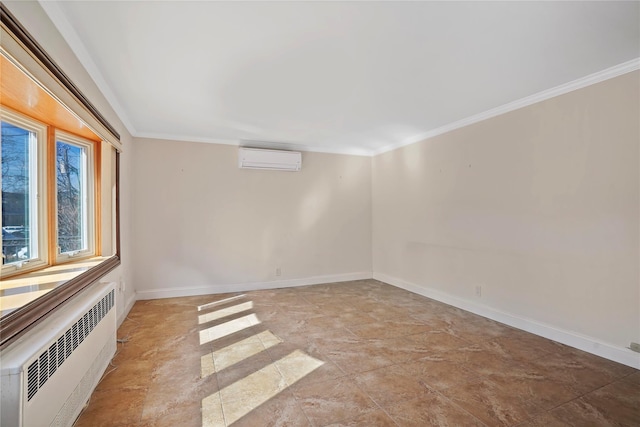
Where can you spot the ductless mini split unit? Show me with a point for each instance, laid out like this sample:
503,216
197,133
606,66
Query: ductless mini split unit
278,160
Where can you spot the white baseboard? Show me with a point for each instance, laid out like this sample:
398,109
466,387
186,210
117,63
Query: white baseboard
253,286
572,339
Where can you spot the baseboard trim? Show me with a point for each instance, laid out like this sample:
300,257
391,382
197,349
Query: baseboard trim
252,286
572,339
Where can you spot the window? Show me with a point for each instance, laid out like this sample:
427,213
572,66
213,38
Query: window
74,197
23,201
60,185
25,169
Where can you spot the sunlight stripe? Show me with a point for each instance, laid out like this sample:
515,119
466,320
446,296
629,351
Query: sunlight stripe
248,393
222,301
236,325
224,312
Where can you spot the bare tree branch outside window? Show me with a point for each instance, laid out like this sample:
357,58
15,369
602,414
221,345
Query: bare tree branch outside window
16,206
69,161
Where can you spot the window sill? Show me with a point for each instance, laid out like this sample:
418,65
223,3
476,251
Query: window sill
18,291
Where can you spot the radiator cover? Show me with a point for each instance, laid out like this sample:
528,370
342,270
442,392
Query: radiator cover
49,374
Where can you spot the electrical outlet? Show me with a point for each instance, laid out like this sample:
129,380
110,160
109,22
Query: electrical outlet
479,291
123,286
278,272
635,347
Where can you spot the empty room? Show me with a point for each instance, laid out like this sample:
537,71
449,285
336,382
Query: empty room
320,213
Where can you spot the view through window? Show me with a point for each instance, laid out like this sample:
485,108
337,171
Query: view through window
73,196
18,196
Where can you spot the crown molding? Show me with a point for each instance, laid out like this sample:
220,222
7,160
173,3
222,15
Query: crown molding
591,79
279,145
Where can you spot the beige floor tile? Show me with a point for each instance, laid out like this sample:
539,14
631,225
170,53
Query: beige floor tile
478,359
535,386
122,407
332,401
211,411
390,385
375,418
617,402
281,410
438,371
492,404
357,358
583,372
229,356
437,341
400,350
431,410
126,374
358,353
516,349
388,329
545,420
243,369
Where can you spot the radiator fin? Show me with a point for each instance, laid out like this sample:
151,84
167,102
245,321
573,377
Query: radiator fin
61,350
53,357
46,364
68,345
43,368
32,382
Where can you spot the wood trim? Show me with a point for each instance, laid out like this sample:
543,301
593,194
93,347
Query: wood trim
20,321
97,198
51,199
39,104
118,254
13,26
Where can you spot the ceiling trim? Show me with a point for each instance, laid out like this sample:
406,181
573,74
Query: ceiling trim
600,76
256,144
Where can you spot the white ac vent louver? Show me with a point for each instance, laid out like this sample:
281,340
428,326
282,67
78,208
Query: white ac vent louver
279,160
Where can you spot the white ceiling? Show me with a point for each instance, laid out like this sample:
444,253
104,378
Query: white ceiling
349,77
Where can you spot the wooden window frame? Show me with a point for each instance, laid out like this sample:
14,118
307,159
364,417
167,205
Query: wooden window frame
93,148
20,321
41,179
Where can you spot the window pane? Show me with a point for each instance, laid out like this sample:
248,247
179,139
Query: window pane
19,220
72,197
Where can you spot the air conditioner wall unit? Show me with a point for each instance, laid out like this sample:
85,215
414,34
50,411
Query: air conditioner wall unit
255,158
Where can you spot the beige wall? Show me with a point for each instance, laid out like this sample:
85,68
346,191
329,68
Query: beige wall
539,207
204,225
35,20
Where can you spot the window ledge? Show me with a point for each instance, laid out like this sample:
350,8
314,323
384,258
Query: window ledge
18,291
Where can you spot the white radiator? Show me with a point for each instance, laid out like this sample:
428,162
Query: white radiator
49,374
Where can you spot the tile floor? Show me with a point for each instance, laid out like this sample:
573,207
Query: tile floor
359,353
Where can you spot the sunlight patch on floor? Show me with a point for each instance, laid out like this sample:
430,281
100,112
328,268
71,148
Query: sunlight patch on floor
228,356
217,303
232,326
238,399
224,312
242,350
212,411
